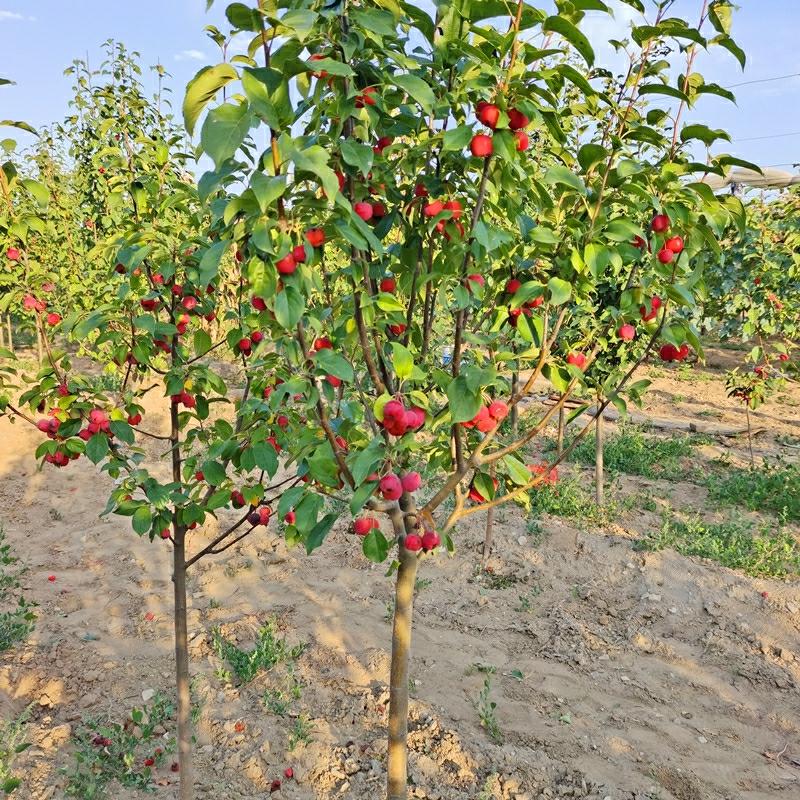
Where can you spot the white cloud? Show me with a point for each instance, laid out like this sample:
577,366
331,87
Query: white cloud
190,55
13,16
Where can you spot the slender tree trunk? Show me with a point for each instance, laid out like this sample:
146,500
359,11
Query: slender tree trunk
514,408
10,336
182,670
560,434
749,436
488,538
598,457
39,352
2,332
397,772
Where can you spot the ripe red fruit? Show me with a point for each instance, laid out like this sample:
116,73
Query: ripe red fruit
51,578
512,287
391,487
669,352
655,304
245,345
237,499
256,337
397,330
433,208
323,343
299,253
484,421
430,540
783,357
516,119
488,114
53,318
364,210
383,143
675,244
158,279
333,381
148,762
498,410
134,419
199,476
283,421
665,255
315,237
149,304
639,242
177,289
412,542
288,773
411,481
388,285
660,223
481,145
274,786
479,279
120,268
189,302
522,141
394,409
626,332
363,525
286,265
420,191
274,442
366,98
290,518
13,255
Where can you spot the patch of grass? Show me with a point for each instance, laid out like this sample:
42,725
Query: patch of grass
17,619
686,372
108,752
635,453
761,552
12,743
279,700
269,650
301,732
570,500
774,489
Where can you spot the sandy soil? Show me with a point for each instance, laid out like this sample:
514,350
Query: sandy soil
617,674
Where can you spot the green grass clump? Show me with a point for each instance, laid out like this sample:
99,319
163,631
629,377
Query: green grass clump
760,552
569,499
17,618
773,489
269,650
633,452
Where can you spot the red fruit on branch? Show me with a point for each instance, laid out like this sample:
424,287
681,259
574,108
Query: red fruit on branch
120,268
481,145
189,302
783,357
53,319
655,305
639,242
299,253
488,114
412,542
455,208
237,499
245,345
333,381
149,304
411,481
290,517
199,476
323,343
522,140
665,255
430,541
517,120
315,237
420,191
364,210
626,332
388,285
391,487
363,525
660,223
577,360
498,410
433,208
134,419
475,278
550,473
513,286
367,97
675,244
256,337
12,254
398,329
286,265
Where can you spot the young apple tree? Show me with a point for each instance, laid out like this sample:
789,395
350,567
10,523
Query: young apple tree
406,256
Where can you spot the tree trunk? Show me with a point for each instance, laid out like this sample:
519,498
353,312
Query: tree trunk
39,353
750,436
10,337
2,332
514,408
397,773
182,669
560,434
598,457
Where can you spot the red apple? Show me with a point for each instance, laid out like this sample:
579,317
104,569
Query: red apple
299,253
433,208
315,237
665,255
626,332
517,120
411,481
13,255
488,114
675,244
481,145
364,210
455,207
660,223
388,285
577,360
286,265
522,141
245,345
391,487
430,540
412,542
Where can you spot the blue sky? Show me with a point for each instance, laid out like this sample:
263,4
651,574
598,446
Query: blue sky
41,37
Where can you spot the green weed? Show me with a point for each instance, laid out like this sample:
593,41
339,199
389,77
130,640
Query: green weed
301,732
774,489
12,743
17,619
761,552
486,708
269,650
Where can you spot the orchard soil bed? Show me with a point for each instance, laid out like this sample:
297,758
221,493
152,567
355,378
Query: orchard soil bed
616,673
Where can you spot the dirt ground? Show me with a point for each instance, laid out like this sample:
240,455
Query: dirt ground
616,673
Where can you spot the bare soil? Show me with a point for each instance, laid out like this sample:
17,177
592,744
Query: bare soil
616,673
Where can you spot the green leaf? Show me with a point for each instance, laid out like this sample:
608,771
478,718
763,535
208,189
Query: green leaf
265,457
403,361
357,155
622,230
202,88
591,154
366,460
720,13
243,18
268,93
732,48
210,261
214,472
334,364
705,134
564,176
320,531
375,546
517,471
267,189
289,307
224,130
361,495
418,89
331,66
289,499
566,29
142,520
97,448
560,291
122,431
202,342
662,88
463,403
39,192
457,138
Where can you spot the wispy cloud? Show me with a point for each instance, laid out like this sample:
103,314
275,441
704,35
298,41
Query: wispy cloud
190,55
13,16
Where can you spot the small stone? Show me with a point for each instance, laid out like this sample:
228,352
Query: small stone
702,739
148,694
785,655
792,608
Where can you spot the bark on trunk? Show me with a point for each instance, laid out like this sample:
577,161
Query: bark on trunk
186,791
598,460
